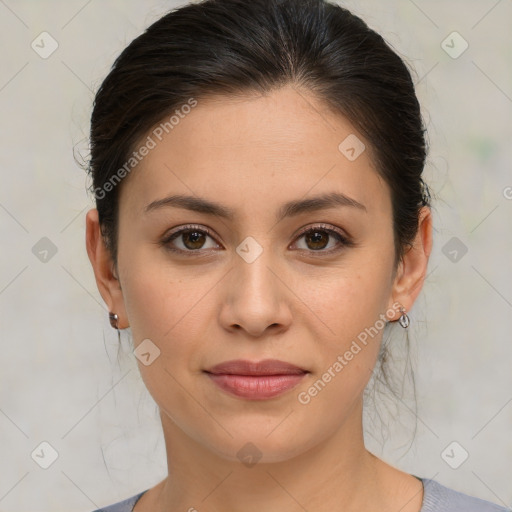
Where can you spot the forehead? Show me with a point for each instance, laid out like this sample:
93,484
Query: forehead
271,148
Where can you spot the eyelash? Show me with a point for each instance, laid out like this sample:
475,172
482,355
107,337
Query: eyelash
342,239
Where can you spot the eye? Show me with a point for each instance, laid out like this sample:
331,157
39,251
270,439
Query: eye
191,238
317,238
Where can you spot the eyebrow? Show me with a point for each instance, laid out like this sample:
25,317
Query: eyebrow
289,209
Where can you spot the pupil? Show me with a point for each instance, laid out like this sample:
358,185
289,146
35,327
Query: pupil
194,236
316,237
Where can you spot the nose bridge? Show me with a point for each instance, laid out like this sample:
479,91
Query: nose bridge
255,299
252,266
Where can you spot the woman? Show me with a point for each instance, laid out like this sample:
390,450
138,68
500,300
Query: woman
261,218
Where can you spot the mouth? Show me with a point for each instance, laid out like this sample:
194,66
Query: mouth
256,380
265,367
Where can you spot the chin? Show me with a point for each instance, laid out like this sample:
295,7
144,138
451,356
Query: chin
253,446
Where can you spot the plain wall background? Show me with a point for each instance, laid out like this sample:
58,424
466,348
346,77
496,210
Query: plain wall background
62,378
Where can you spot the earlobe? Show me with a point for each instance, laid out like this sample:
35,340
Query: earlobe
412,269
103,266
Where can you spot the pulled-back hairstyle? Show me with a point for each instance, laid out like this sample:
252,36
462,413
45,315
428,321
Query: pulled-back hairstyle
235,47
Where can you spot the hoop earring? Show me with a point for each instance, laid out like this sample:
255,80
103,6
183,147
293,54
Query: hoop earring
404,319
114,323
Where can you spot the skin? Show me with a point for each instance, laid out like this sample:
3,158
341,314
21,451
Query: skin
253,154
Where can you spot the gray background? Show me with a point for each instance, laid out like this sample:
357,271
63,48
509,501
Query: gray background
62,378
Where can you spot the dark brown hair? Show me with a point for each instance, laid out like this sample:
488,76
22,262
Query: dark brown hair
233,47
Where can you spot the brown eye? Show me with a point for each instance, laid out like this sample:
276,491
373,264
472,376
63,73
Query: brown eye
189,239
323,240
193,239
317,239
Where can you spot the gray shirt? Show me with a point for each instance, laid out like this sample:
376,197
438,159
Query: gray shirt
436,498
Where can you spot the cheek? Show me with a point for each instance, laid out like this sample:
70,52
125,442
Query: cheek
172,307
144,293
346,343
345,301
344,317
162,308
152,290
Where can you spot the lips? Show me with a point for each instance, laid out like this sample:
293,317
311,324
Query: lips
265,367
256,380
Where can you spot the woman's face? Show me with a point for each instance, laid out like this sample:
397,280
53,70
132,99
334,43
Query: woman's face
253,286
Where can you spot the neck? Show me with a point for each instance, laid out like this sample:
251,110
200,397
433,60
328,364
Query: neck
332,475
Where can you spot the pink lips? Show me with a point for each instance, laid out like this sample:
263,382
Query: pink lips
256,380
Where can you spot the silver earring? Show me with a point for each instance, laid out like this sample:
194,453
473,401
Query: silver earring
404,319
114,323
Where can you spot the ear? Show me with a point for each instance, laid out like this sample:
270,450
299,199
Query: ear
412,269
108,284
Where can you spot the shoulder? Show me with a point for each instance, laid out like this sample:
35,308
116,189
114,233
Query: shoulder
438,498
122,506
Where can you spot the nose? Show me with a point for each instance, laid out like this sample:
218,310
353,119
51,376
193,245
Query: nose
256,297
